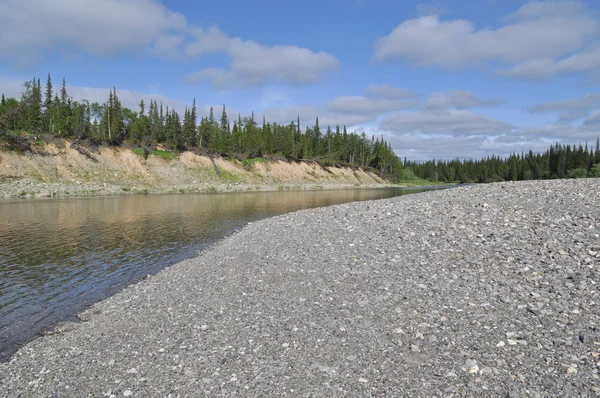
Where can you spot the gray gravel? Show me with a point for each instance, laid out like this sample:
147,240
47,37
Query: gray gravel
476,291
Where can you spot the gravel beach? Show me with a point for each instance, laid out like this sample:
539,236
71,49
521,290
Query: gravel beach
489,290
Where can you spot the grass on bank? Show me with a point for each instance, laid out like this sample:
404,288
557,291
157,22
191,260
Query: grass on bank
250,164
166,155
408,178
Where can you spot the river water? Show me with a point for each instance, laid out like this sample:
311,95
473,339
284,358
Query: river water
58,256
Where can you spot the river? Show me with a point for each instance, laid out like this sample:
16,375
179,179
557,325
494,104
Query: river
58,256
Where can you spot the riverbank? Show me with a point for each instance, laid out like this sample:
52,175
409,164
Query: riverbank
65,168
482,290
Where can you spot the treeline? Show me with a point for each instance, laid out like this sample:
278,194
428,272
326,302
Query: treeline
559,161
44,111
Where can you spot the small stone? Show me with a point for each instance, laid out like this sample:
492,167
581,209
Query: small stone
204,327
422,286
500,344
363,380
487,371
512,342
571,370
451,375
351,357
127,393
111,362
419,336
132,371
474,369
415,348
285,345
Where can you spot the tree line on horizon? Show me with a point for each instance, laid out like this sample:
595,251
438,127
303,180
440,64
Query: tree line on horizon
57,114
558,161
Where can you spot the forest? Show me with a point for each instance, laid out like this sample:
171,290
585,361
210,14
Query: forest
56,114
46,112
559,161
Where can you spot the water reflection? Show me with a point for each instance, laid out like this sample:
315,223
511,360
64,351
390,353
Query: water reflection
59,256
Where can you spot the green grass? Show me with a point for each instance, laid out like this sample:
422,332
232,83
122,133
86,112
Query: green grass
230,177
250,164
166,155
138,151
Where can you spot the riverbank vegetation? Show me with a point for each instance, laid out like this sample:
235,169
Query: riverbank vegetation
37,114
559,161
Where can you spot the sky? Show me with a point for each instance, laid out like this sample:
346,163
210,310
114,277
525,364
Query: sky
438,80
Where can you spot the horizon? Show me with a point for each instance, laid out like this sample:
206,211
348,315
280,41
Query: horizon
437,81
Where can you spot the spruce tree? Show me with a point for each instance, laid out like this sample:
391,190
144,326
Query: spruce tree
48,99
225,132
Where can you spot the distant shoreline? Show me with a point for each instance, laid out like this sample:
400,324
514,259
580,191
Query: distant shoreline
66,169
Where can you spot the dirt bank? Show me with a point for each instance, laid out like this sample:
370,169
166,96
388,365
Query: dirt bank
65,168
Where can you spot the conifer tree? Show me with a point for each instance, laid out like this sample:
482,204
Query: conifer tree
48,99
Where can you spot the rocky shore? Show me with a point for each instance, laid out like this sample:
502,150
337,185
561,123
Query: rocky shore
30,189
487,290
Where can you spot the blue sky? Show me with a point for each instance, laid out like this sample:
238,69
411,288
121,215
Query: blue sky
437,79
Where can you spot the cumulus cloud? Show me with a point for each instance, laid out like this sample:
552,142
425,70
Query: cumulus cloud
309,113
206,41
443,122
254,64
28,29
368,106
459,99
570,109
534,43
385,91
593,121
423,148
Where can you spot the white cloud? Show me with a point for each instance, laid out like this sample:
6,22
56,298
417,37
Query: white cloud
368,106
385,91
459,99
206,41
535,43
167,47
560,132
422,148
308,114
219,78
30,28
443,122
254,64
594,121
570,109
